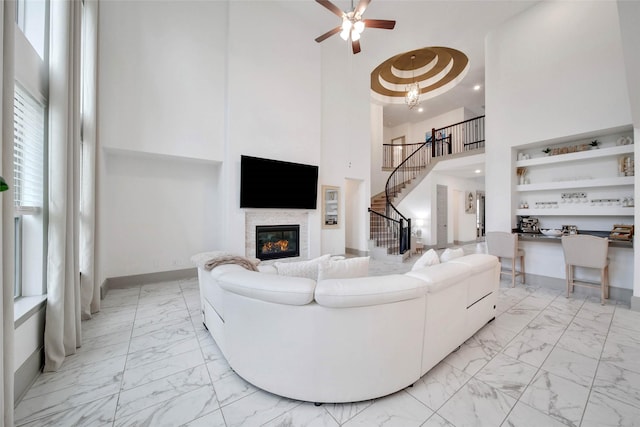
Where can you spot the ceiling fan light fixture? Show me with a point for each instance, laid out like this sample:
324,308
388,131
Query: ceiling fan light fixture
358,26
355,36
344,35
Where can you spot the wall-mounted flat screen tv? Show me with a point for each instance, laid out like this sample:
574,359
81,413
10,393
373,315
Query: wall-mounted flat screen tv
266,183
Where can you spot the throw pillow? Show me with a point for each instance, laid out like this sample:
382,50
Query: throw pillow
450,254
344,269
427,260
308,269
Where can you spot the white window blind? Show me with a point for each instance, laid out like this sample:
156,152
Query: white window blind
28,146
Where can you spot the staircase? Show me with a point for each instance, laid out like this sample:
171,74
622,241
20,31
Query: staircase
390,230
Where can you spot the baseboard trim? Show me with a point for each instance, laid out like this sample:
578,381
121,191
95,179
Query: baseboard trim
635,303
617,294
124,282
356,252
27,374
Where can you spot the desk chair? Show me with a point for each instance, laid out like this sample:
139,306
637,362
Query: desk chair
505,245
587,251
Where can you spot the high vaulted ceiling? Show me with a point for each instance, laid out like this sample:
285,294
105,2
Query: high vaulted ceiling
456,24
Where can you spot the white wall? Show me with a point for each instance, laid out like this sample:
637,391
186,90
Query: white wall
155,212
550,75
162,77
274,104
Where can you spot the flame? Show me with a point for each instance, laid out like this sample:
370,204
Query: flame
279,246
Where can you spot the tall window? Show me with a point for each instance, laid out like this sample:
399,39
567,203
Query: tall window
30,147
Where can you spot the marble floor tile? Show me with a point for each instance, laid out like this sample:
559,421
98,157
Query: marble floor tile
306,415
626,318
229,386
163,336
515,319
477,404
548,326
85,359
469,358
399,409
176,411
143,374
162,390
161,352
602,411
618,383
437,421
342,412
557,397
182,321
98,413
507,375
212,419
438,385
587,344
525,416
528,350
625,356
571,366
627,337
256,409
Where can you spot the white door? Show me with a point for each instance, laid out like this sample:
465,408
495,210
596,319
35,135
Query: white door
441,216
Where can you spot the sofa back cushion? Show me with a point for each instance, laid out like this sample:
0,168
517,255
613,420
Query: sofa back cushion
269,287
428,259
344,268
365,291
451,253
308,269
441,276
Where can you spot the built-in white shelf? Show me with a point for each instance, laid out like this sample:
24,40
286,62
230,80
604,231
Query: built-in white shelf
584,183
578,210
580,155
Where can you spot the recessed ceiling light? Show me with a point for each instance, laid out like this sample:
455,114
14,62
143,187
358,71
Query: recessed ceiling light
420,110
476,87
478,171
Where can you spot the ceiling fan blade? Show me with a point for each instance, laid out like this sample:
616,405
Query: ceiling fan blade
328,34
379,23
332,7
359,10
355,45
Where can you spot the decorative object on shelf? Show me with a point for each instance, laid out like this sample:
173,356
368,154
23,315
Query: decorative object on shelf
621,232
547,151
626,166
624,140
330,207
569,229
412,98
595,143
3,184
470,202
521,173
551,232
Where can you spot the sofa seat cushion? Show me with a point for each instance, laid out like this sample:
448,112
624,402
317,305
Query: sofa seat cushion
441,276
269,287
365,291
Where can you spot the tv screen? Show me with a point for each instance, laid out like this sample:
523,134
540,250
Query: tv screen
266,183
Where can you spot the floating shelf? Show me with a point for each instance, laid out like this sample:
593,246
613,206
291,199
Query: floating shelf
580,155
584,183
584,209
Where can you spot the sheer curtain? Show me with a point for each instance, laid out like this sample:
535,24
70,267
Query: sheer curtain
7,12
68,236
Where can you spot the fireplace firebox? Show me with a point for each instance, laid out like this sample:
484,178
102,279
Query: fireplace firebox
277,241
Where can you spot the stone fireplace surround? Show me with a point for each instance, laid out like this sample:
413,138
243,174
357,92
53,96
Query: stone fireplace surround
275,217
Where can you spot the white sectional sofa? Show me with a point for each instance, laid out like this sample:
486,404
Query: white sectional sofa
345,340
